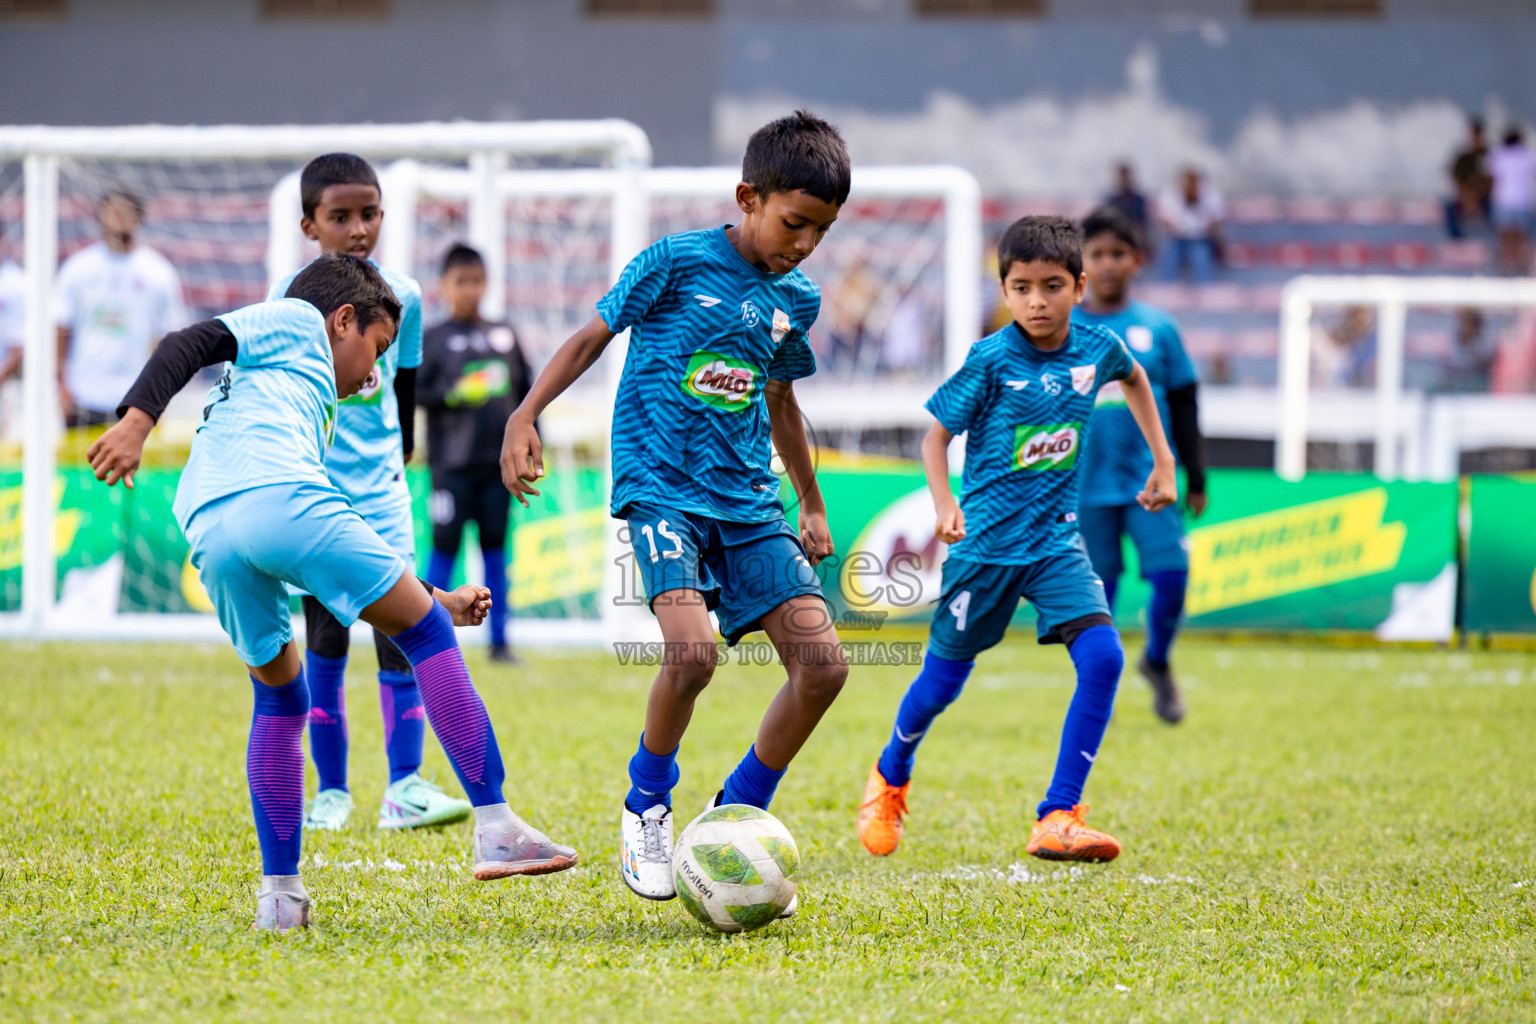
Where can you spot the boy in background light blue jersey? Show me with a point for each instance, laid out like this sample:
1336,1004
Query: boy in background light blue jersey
1116,464
374,432
718,325
1023,399
261,514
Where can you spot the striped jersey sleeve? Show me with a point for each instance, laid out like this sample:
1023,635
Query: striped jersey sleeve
964,395
639,288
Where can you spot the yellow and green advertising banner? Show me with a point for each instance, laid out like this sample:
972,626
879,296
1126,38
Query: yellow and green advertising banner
1332,551
1500,593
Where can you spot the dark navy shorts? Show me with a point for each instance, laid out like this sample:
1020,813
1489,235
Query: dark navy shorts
976,602
1158,536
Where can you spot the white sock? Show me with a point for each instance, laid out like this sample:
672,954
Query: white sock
495,816
291,884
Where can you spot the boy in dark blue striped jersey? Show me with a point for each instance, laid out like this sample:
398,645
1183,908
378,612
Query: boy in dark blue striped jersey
1023,399
718,325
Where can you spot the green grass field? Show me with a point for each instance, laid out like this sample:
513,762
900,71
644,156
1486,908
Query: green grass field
1331,835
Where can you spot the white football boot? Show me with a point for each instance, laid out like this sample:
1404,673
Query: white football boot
645,852
519,849
281,911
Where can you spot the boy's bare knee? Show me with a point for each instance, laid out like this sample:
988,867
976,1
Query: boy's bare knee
821,683
689,667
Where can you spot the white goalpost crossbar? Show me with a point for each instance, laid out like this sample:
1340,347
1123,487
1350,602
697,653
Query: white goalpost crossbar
622,145
1391,297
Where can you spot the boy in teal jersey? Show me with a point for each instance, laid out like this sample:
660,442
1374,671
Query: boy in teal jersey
374,430
1117,462
718,325
262,514
1023,399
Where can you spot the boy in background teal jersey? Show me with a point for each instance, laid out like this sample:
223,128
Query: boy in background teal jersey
1117,462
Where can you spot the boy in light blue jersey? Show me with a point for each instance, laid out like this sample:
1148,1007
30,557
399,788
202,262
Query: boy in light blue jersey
1023,399
261,514
718,325
1117,463
374,431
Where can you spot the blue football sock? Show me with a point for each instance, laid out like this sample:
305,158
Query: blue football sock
496,583
405,723
274,770
1099,659
935,688
440,569
651,778
1163,613
454,709
328,718
752,782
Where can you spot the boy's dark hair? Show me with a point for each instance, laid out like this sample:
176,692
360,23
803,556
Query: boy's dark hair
132,200
333,169
1047,239
798,153
1108,220
462,255
334,280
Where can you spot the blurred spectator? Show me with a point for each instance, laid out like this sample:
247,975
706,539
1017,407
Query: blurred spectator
1128,200
1513,167
847,330
115,300
1191,217
1342,354
1470,184
1470,368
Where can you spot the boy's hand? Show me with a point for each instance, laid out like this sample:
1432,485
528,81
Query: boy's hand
522,457
815,535
950,527
1162,488
115,455
469,605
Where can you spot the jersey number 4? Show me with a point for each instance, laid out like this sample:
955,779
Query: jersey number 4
958,607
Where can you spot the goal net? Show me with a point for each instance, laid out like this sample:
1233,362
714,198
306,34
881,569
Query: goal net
900,275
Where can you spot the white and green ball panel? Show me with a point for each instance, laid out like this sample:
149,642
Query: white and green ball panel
734,866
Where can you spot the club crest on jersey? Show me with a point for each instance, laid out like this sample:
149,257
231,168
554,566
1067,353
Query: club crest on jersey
1139,337
1051,446
749,314
720,381
781,325
1083,378
371,393
1051,385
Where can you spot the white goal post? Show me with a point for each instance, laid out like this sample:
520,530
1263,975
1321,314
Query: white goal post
1488,418
621,147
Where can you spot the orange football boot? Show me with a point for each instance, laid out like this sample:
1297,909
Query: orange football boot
1063,835
881,813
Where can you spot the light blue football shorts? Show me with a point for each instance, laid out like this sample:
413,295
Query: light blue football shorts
250,546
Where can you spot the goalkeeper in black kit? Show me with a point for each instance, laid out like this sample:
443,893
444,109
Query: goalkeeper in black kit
473,374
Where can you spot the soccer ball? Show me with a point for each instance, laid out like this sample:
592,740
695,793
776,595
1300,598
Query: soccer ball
735,868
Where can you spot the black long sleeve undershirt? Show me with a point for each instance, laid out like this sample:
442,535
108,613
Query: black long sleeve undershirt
175,362
1184,417
405,398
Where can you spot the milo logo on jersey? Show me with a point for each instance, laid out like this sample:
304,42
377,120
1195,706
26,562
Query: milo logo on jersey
1053,446
328,426
720,381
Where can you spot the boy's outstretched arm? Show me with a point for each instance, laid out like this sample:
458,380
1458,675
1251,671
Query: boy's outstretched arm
950,526
1163,484
790,440
175,361
522,454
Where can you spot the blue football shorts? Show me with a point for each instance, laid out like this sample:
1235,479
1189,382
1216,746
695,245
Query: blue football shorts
743,570
1158,536
249,547
976,601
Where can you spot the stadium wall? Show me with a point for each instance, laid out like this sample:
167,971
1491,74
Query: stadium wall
1347,106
